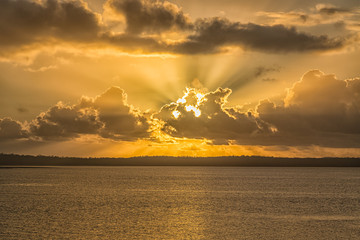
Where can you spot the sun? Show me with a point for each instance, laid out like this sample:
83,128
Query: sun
190,102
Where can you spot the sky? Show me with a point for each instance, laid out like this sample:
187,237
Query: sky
122,78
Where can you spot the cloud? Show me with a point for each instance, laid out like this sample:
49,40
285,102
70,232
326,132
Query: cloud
213,34
206,116
319,109
321,14
121,120
22,110
62,121
239,80
35,26
11,129
262,70
108,115
24,21
329,9
151,16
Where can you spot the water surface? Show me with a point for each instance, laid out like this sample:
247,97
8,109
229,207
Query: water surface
179,203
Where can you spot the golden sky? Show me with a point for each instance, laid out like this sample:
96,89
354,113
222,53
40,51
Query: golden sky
192,77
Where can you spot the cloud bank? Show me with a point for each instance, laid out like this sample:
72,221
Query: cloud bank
25,23
317,110
212,34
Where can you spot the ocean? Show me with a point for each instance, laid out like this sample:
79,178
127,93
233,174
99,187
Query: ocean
179,203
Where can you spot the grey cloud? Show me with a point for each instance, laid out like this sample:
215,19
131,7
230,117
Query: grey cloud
212,34
319,16
152,16
24,21
303,17
121,120
262,70
11,129
22,110
108,115
319,109
63,121
332,10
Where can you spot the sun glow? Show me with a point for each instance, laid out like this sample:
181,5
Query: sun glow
196,111
176,114
200,97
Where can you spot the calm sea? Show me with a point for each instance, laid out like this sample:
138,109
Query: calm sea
179,203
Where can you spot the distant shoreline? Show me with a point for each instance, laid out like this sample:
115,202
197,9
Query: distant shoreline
14,160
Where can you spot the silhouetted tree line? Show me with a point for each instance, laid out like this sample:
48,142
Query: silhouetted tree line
40,160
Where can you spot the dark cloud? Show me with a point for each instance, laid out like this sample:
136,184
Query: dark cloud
24,21
121,120
152,16
332,10
262,70
22,110
213,34
108,115
63,121
303,17
11,129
